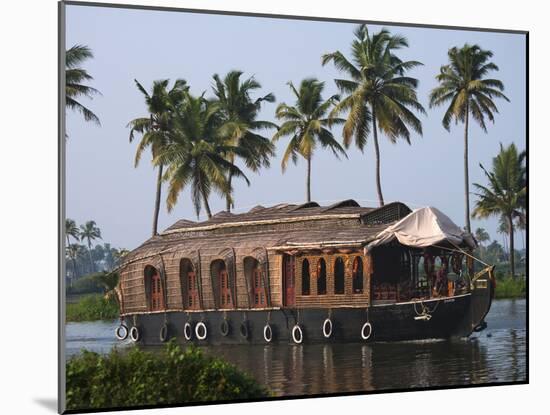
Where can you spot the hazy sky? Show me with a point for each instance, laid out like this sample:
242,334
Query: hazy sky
103,185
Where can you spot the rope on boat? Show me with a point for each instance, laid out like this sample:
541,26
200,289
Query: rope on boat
488,268
425,314
459,249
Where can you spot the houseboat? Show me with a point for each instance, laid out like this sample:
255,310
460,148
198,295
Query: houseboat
305,273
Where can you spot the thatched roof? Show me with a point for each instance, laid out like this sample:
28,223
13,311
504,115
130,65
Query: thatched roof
282,226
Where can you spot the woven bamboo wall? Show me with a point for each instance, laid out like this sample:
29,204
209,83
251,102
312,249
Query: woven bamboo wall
132,283
263,242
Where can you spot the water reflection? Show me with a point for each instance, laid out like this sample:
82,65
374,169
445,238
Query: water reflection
497,354
317,369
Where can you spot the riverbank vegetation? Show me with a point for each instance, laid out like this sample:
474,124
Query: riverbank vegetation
93,307
506,194
510,288
85,259
138,378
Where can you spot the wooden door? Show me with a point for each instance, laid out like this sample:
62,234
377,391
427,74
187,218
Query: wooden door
258,288
226,300
157,296
192,291
288,280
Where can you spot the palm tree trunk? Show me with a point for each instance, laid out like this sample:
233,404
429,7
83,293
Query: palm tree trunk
228,196
512,259
308,179
466,173
72,260
377,155
206,206
157,201
90,253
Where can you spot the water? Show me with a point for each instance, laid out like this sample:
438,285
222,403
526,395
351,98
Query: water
498,354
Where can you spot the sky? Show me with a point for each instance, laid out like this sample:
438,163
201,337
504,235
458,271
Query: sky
103,185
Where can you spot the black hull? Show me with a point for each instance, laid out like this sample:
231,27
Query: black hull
449,317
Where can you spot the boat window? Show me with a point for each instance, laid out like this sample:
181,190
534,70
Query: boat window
222,284
153,288
258,286
357,275
321,277
255,274
339,284
189,285
305,277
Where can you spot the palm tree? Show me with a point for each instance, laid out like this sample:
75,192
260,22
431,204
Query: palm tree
72,230
308,125
74,76
239,113
482,236
505,195
72,253
156,126
194,154
521,225
378,94
89,232
463,84
119,255
504,231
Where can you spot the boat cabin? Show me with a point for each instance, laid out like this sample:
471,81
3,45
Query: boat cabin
295,256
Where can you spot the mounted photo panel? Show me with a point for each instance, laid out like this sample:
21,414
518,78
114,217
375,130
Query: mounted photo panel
265,207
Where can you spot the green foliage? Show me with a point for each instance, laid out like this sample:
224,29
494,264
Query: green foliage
195,154
482,235
506,194
108,280
89,232
377,92
241,128
87,284
74,76
142,378
508,287
71,229
376,89
155,126
93,307
464,86
307,122
308,125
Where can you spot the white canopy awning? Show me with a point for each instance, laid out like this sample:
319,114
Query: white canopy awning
422,228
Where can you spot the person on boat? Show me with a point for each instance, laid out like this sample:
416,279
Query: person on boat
441,279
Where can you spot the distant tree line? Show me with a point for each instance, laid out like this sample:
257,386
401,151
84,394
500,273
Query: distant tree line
82,257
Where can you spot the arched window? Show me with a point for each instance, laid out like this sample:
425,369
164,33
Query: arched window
357,275
321,277
154,289
305,277
223,283
255,274
189,285
339,276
